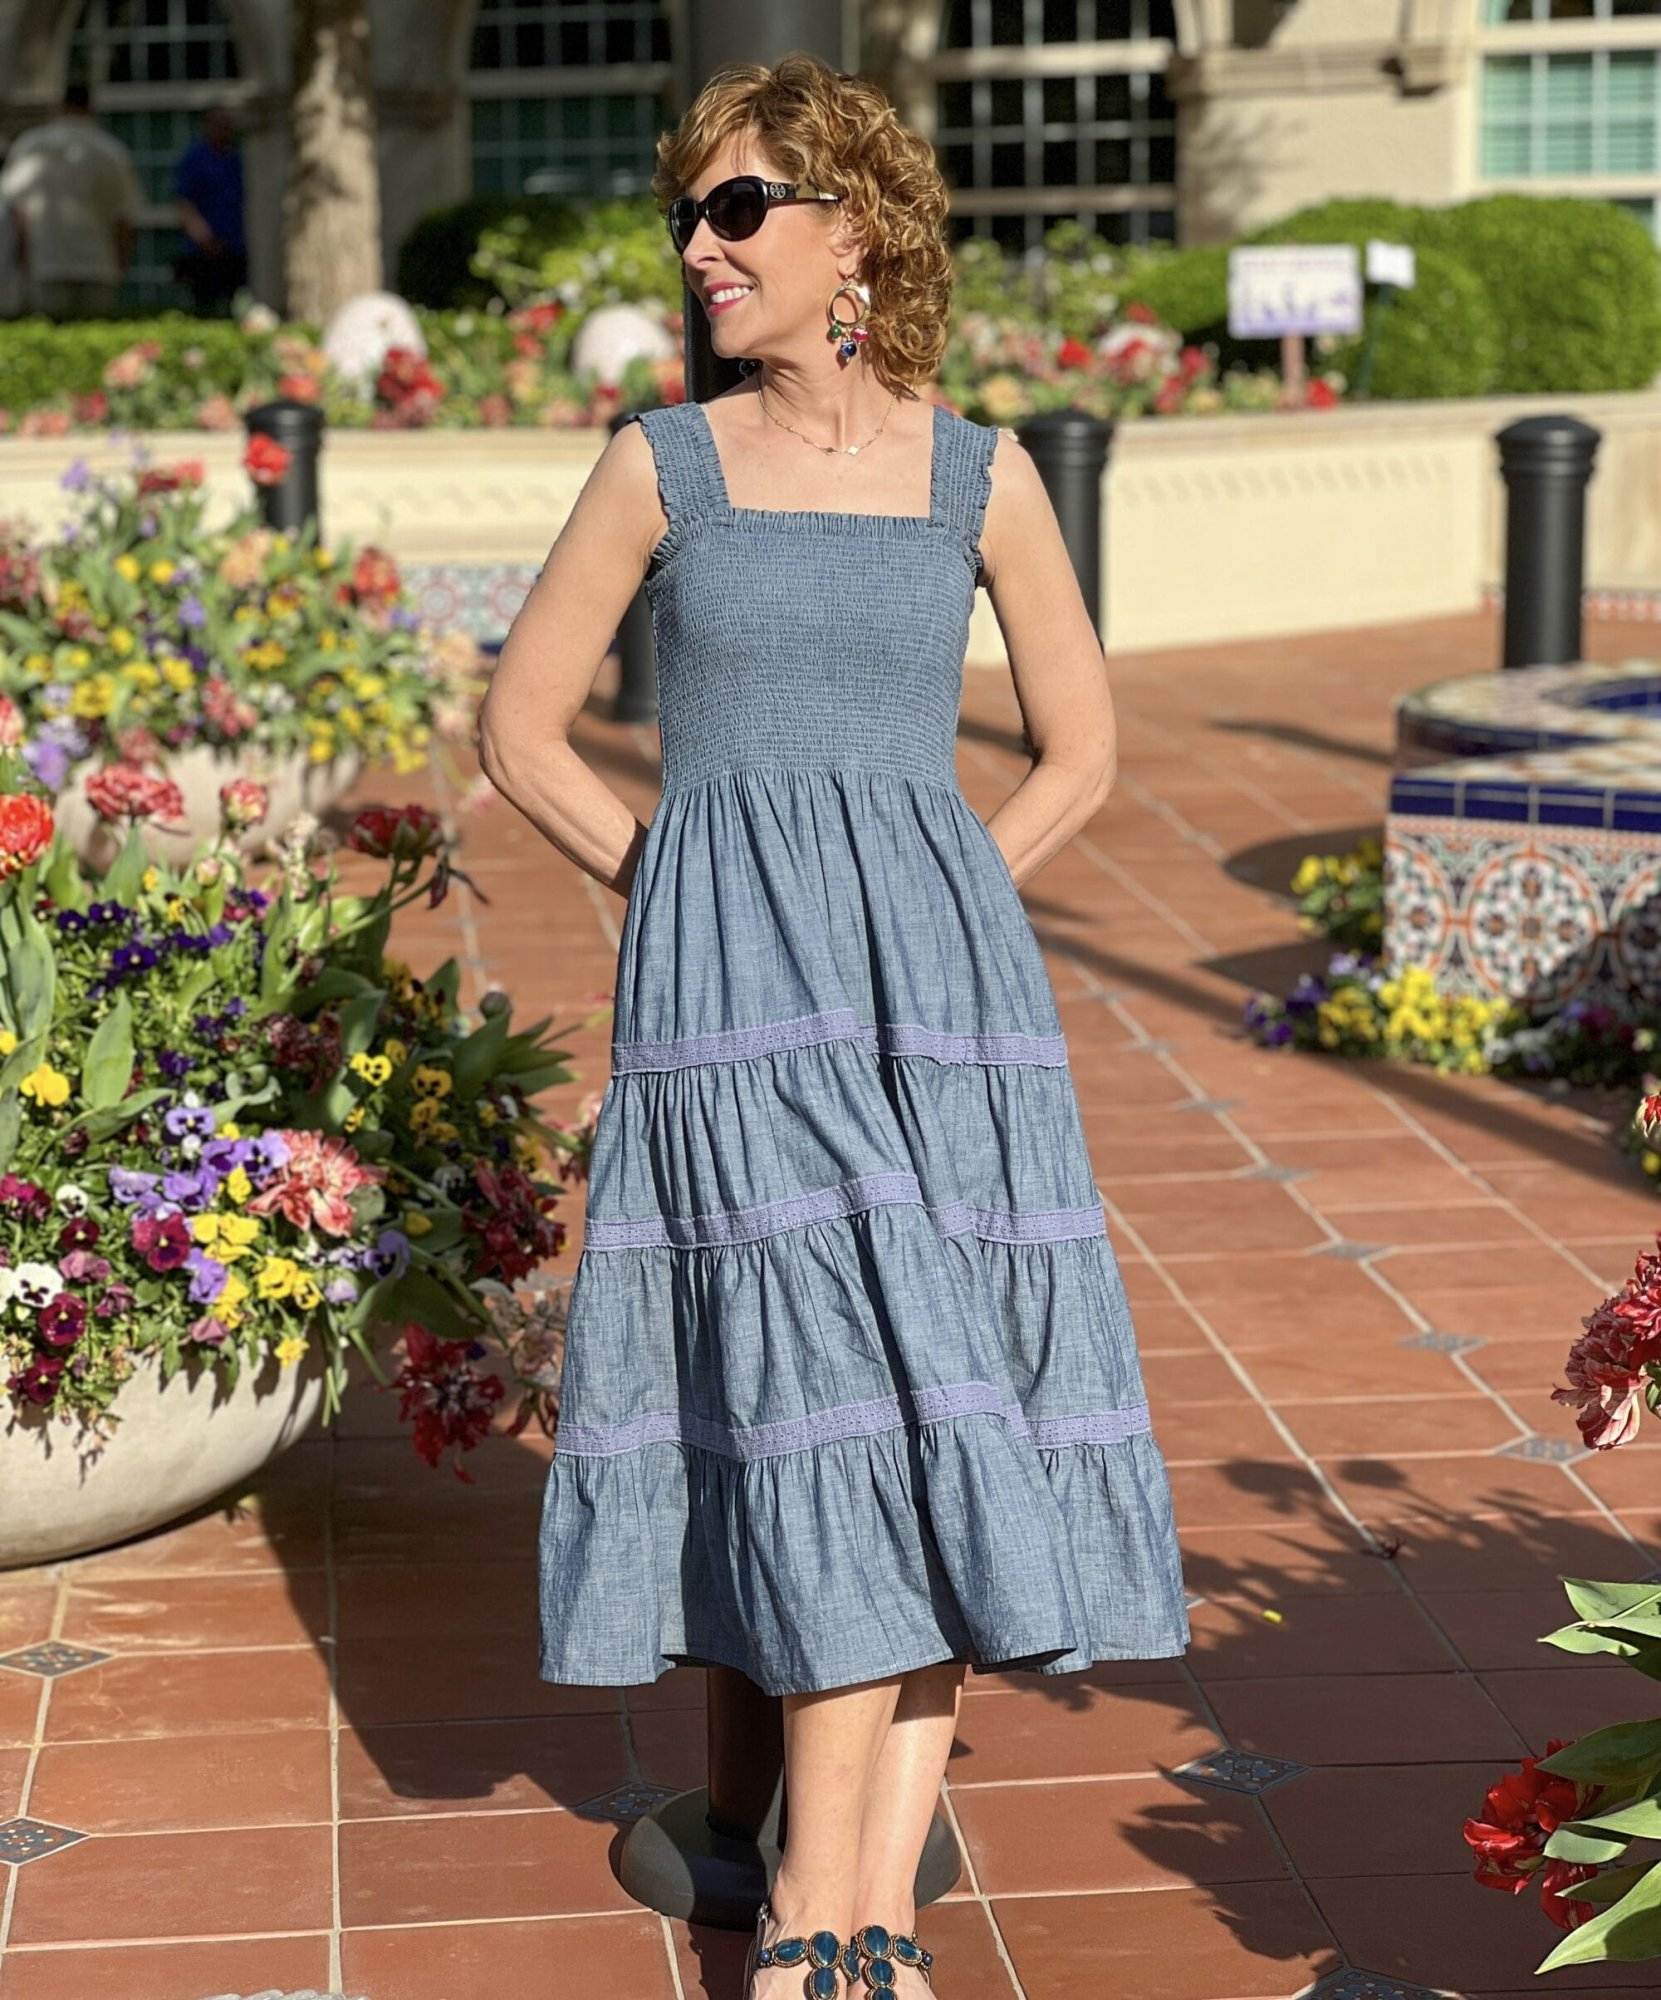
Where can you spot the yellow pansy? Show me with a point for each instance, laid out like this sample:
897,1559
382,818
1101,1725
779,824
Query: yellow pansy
353,1118
238,1187
120,641
230,1129
128,566
373,1069
290,1348
277,1277
1650,1162
488,1114
179,674
228,1306
140,674
414,1223
227,1236
322,558
395,1051
94,696
8,1041
327,641
46,1085
36,665
266,654
429,1081
163,571
308,1295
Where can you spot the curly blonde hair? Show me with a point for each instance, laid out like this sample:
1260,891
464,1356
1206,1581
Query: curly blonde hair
840,133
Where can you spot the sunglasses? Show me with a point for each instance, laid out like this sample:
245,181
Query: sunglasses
736,208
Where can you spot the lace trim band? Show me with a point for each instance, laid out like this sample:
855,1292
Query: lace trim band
749,1225
839,1024
847,1420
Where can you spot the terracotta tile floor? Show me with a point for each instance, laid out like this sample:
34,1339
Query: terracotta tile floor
318,1755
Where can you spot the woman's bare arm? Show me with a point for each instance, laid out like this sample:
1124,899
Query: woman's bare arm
553,655
1059,668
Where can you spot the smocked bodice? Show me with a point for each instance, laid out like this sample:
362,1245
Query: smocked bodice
811,637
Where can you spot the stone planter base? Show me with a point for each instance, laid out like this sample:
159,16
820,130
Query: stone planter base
176,1447
294,784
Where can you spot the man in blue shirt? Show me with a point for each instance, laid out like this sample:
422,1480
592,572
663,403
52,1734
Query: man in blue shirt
208,183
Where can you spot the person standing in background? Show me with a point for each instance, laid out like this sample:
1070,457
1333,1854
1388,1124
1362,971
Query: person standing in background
75,197
208,182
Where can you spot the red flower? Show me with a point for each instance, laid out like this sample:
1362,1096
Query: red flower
1319,394
1647,1118
63,1320
162,1241
450,1401
402,833
1521,1813
1073,353
315,1183
265,461
92,408
26,827
1145,313
1615,1359
243,802
407,386
38,1383
375,577
300,388
171,478
514,1233
123,791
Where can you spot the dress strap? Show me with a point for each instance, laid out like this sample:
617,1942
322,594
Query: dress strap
688,473
963,476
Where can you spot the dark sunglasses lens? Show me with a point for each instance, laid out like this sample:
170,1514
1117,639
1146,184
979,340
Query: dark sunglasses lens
683,219
736,210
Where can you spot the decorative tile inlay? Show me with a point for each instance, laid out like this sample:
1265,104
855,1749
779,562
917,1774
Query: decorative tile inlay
1239,1771
1523,843
632,1801
1351,1984
1550,1450
28,1839
53,1657
482,598
1438,1342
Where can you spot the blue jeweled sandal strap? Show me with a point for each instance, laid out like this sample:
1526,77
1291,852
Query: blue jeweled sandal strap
821,1954
873,1952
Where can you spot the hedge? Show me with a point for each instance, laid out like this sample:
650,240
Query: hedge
41,360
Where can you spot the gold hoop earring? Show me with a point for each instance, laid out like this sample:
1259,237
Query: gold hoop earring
851,334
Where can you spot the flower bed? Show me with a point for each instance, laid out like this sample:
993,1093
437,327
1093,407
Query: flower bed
1565,1828
234,1130
139,634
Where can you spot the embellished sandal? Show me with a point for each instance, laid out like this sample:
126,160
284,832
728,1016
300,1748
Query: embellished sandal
819,1955
873,1952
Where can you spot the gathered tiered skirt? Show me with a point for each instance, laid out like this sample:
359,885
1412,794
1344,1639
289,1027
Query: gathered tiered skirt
851,1382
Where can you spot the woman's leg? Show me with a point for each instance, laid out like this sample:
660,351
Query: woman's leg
831,1742
901,1800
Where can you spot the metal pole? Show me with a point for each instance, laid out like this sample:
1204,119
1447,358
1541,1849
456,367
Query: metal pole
1070,449
710,1854
1546,463
290,502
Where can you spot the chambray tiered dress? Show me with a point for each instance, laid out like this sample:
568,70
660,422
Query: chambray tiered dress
850,1381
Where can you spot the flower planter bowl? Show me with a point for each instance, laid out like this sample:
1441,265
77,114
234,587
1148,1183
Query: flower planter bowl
177,1446
294,785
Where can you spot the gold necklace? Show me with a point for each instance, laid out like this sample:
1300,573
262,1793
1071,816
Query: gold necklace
848,450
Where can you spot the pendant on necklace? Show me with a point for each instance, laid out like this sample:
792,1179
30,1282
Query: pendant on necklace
852,449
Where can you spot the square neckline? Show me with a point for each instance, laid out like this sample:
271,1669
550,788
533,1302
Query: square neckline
937,426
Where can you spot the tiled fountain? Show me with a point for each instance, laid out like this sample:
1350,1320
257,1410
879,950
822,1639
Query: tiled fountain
1523,842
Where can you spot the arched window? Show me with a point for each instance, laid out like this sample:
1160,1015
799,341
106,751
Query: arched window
567,95
152,65
1051,108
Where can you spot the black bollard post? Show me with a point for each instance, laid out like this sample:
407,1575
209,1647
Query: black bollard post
637,655
1070,449
288,503
1546,463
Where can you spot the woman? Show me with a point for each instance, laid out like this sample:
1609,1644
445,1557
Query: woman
850,1400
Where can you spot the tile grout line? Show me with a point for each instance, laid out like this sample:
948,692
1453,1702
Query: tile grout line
978,1894
331,1587
60,1613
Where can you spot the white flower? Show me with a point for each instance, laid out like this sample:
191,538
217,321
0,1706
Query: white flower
72,1199
8,1285
36,1285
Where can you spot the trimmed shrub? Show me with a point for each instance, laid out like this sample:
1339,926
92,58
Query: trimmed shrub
435,262
1188,289
1441,338
1575,286
40,360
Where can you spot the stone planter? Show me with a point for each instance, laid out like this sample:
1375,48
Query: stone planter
294,783
176,1447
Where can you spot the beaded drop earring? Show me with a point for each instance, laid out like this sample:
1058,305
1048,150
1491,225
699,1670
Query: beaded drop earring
849,335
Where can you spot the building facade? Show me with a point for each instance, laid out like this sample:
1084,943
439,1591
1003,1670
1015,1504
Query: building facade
1147,120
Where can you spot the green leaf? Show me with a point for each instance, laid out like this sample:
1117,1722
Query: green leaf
1630,1930
124,878
20,1062
1603,1603
1639,1820
1620,1755
474,1060
31,982
1571,1843
357,1021
1609,1885
101,1124
1588,1639
420,1297
108,1068
11,1128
